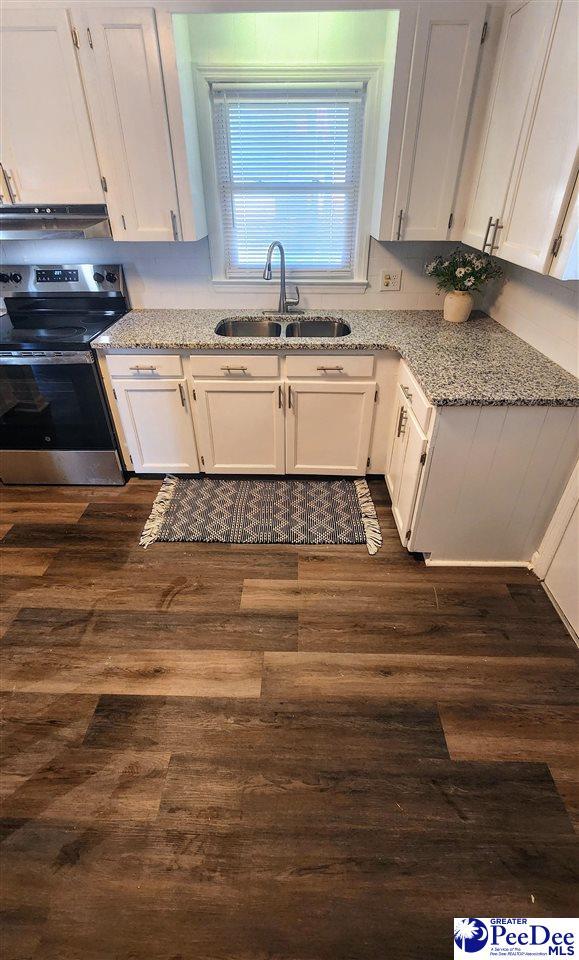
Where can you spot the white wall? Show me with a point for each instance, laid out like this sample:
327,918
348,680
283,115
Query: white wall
538,309
178,274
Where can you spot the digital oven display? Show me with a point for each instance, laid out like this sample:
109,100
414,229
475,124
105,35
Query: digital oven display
56,276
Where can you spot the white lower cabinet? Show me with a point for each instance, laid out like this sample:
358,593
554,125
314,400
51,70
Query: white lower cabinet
240,425
328,427
157,425
405,464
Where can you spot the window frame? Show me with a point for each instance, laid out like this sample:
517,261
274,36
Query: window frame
371,76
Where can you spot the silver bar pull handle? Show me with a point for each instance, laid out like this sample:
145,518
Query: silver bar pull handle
229,369
10,186
401,422
174,225
495,246
488,230
400,217
138,367
182,395
325,369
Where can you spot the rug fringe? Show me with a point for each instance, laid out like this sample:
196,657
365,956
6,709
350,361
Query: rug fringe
158,511
369,518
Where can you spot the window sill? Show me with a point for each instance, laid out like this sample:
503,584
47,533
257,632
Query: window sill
267,286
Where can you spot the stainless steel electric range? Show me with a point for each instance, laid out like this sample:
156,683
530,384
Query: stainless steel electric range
54,422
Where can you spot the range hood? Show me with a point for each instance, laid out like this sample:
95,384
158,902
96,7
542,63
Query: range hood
88,221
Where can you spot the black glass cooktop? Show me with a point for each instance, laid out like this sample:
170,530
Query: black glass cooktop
48,324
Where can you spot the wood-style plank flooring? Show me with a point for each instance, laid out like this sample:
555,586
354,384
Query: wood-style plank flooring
271,753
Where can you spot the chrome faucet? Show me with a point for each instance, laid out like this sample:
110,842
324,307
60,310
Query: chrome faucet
285,305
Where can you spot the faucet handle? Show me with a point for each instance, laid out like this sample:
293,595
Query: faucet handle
293,303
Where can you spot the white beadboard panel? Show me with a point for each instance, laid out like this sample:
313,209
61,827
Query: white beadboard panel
494,478
555,456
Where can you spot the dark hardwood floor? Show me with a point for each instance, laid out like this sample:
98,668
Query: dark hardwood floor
271,753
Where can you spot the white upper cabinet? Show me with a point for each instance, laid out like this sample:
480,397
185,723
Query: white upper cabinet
524,42
547,157
444,62
121,62
48,152
565,250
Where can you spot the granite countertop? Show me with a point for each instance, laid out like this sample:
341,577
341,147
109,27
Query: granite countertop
478,362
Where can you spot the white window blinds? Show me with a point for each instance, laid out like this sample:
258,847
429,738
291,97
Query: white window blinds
288,168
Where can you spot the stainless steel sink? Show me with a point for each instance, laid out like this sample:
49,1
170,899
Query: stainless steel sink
317,327
248,327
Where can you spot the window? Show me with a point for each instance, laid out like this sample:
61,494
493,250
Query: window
288,168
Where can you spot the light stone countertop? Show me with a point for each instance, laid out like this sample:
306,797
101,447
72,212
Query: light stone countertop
477,362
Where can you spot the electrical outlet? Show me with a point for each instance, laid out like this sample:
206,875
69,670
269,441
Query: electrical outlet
391,280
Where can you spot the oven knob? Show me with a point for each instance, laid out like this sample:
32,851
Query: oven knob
16,277
4,278
98,277
111,277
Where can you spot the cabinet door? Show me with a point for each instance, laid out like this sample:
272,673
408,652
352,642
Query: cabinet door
240,426
405,465
396,453
525,36
565,260
328,427
47,146
444,61
127,101
157,422
547,158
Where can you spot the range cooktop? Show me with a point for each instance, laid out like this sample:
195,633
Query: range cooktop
60,307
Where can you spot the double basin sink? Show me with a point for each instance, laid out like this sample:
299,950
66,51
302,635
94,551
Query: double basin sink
269,327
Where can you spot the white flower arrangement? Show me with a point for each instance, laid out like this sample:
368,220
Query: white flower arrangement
463,271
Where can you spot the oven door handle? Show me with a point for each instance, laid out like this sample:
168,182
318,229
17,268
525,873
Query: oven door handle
44,359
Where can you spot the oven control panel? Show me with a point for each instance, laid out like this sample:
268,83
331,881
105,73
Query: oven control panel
57,275
50,279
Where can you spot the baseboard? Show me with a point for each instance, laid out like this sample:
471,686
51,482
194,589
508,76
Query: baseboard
477,563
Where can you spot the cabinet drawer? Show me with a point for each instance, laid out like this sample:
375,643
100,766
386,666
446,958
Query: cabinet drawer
421,408
143,365
329,365
234,366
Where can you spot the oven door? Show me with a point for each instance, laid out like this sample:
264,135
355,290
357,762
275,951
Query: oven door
52,401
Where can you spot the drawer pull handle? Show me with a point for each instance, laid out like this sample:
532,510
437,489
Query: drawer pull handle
140,367
289,396
325,369
401,421
279,397
406,393
182,395
229,369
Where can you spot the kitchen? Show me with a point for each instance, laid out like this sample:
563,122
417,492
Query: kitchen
357,492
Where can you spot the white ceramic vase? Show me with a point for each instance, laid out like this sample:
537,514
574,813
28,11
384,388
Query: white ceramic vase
457,306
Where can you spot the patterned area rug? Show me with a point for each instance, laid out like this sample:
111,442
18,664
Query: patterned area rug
260,510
